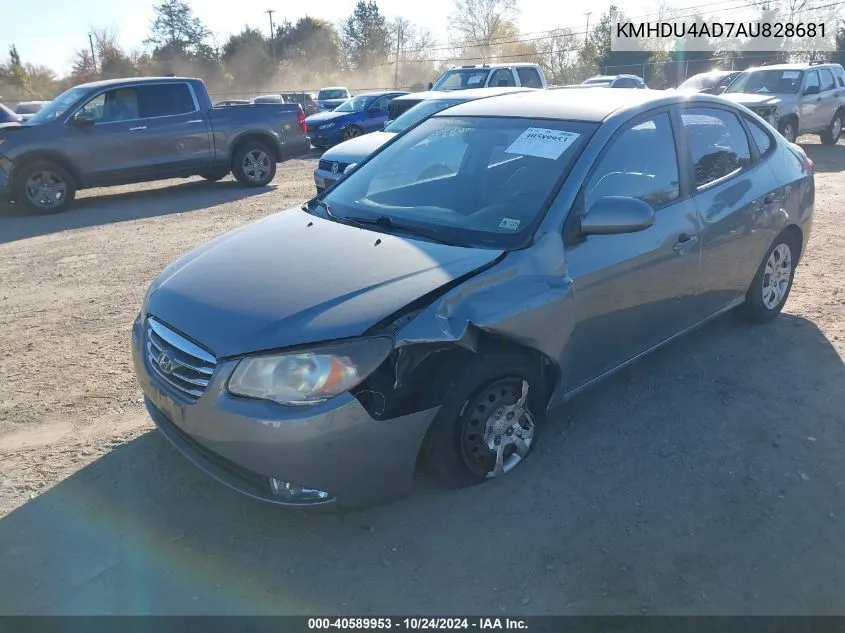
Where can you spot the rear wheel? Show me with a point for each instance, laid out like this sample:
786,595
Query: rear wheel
45,187
831,135
771,285
253,164
487,421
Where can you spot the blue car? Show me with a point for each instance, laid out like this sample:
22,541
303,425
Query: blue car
356,116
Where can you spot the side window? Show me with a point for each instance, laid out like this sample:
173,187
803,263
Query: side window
812,80
381,103
761,138
828,83
501,77
840,75
717,143
157,100
114,106
626,170
529,77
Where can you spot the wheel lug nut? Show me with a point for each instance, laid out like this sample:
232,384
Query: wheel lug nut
510,415
497,440
509,430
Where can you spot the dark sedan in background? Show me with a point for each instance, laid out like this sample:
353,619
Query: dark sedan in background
454,302
712,82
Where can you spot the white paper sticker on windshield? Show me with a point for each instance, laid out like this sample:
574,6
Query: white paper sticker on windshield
509,223
475,79
543,143
790,74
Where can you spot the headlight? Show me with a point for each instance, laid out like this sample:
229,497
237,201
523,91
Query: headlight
145,303
325,126
307,377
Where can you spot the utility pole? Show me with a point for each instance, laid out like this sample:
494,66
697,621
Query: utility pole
93,56
396,68
270,13
587,30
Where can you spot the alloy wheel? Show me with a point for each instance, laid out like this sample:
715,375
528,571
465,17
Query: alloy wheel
46,189
256,165
776,276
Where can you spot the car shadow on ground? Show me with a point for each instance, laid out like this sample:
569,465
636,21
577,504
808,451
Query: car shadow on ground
827,158
705,479
16,223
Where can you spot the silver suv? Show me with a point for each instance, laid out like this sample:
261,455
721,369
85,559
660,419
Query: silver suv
807,98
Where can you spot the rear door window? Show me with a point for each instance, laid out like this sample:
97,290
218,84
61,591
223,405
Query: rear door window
828,82
156,100
717,143
503,77
761,138
529,77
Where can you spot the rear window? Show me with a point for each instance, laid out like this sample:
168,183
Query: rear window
476,180
332,94
529,77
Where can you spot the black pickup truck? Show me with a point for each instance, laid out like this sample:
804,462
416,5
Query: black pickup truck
134,130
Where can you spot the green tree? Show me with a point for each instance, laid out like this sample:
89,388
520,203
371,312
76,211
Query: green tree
176,31
609,61
366,36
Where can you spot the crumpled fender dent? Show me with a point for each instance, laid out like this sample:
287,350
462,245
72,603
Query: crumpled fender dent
512,300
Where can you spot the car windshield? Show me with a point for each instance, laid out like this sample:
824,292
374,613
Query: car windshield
419,112
462,79
332,94
355,104
475,181
58,106
767,82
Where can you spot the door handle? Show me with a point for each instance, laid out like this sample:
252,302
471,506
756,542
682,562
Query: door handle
684,243
195,121
138,129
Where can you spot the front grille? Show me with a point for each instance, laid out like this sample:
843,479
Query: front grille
180,364
327,165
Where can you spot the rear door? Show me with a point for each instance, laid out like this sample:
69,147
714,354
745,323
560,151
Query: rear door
114,149
635,290
733,195
829,95
175,126
809,104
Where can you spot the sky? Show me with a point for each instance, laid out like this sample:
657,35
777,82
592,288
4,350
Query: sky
49,33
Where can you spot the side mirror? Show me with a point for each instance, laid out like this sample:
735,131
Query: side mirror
349,168
613,215
811,90
430,85
386,123
83,119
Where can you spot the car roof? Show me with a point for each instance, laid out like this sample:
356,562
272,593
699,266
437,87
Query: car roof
381,93
577,104
792,66
495,65
335,88
467,95
134,80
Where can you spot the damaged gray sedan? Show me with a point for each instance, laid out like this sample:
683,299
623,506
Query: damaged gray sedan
475,272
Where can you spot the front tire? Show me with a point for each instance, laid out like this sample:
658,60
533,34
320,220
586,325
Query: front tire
352,131
254,164
45,188
831,135
772,284
789,129
487,420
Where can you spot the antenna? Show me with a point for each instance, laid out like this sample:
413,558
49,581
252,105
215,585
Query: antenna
270,13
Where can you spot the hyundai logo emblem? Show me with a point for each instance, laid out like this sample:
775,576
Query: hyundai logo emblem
335,167
165,363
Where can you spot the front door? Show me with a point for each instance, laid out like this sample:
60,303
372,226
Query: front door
377,114
632,291
114,149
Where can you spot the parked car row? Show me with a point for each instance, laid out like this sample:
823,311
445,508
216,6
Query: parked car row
482,260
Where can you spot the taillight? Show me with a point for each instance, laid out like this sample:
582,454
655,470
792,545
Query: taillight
811,164
302,123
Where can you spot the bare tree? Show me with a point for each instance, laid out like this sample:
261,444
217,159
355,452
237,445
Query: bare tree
476,22
557,54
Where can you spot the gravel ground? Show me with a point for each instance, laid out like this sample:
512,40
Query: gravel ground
707,479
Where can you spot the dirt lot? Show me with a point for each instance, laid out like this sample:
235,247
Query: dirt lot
705,479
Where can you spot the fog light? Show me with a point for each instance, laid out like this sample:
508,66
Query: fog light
294,492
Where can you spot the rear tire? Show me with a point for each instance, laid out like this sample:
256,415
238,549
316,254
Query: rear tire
772,284
455,447
45,187
830,136
254,164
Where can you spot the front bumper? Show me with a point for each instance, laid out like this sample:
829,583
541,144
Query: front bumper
323,179
326,138
336,447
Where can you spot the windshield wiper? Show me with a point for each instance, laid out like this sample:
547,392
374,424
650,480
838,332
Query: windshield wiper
386,222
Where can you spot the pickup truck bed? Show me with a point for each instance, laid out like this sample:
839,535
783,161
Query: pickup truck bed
141,129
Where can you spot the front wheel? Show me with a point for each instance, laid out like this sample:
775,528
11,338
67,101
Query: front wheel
253,164
789,130
45,187
487,421
772,283
351,132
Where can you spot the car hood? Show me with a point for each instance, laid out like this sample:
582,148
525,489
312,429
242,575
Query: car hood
357,149
748,99
293,278
325,117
